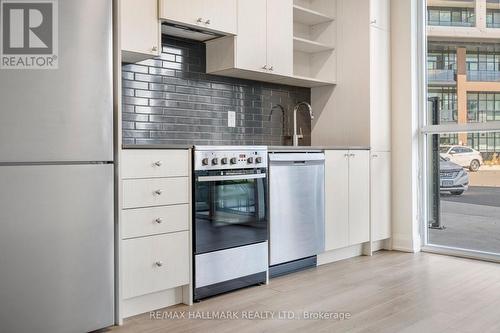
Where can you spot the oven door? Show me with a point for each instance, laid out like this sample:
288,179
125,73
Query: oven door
230,209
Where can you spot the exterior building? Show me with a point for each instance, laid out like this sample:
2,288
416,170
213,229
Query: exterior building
464,66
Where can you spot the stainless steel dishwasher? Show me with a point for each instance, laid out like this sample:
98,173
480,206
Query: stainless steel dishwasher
297,218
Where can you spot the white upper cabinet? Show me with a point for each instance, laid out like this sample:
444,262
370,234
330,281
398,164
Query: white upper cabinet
280,36
140,30
279,41
213,15
251,42
380,13
380,90
264,43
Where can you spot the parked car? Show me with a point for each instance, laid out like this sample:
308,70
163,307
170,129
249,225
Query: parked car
464,156
453,177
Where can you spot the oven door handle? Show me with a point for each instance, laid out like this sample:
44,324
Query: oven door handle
231,177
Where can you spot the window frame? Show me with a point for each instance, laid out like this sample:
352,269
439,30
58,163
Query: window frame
425,131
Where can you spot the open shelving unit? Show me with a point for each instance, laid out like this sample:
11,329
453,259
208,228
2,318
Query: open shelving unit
308,16
314,38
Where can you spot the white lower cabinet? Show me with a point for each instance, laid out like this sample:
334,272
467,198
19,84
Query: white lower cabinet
359,196
141,222
155,230
336,199
347,198
155,263
380,188
155,192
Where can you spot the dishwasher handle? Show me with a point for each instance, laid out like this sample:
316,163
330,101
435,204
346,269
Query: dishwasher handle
297,157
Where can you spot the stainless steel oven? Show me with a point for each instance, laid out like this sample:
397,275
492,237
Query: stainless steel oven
230,221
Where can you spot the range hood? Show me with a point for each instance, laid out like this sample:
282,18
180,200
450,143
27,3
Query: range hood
177,30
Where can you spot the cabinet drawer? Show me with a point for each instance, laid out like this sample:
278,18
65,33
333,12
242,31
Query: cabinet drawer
139,193
155,263
147,163
155,220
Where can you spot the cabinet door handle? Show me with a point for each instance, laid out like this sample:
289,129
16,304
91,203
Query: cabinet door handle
271,68
154,48
159,220
264,67
352,155
158,163
375,156
346,155
207,22
199,20
374,21
158,192
158,264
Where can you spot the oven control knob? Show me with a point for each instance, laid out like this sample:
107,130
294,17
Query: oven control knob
250,160
224,160
258,159
234,160
215,161
204,161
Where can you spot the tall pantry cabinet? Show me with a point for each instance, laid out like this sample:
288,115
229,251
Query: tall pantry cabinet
356,112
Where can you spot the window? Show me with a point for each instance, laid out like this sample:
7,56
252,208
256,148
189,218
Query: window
493,14
460,133
456,14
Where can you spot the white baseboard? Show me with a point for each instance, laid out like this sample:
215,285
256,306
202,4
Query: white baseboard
404,243
384,244
340,254
155,301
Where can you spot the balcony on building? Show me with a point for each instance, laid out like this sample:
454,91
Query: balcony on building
451,13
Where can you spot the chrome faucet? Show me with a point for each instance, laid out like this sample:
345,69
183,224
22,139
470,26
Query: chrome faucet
297,136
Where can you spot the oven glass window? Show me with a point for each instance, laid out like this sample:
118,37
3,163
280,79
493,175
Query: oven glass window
230,213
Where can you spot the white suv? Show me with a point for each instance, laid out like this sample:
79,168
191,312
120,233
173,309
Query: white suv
462,155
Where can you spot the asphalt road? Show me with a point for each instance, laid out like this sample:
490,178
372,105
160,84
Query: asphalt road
477,195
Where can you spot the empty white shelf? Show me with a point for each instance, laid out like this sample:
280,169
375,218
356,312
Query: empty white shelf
309,46
303,81
308,16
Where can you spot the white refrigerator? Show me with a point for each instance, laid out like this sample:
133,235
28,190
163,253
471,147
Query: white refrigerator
56,181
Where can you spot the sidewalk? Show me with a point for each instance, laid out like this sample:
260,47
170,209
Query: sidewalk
468,226
486,176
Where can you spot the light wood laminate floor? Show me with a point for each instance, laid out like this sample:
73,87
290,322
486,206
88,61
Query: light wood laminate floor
389,292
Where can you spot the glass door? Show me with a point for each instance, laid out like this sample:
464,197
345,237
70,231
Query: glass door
230,209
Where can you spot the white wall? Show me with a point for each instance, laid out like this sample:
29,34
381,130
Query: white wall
342,112
405,225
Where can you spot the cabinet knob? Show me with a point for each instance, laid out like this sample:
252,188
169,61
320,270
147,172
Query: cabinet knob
154,48
375,156
352,155
271,68
159,220
264,67
199,20
346,155
158,163
158,264
158,192
207,22
374,21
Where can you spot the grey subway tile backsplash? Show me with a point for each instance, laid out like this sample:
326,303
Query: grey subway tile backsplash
171,100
